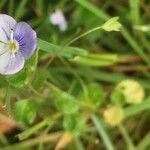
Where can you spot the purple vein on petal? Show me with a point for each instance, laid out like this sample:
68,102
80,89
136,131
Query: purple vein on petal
21,41
26,38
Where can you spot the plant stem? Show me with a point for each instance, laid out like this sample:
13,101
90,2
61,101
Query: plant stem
46,138
7,100
50,120
82,35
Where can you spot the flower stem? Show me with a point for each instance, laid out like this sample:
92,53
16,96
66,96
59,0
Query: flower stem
7,100
50,120
82,35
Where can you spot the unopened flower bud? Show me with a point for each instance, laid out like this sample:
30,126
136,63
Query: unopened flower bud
57,18
112,25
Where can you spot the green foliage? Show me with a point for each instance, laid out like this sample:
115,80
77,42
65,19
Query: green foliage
24,111
95,93
94,98
39,78
25,76
112,25
117,97
66,103
66,51
74,124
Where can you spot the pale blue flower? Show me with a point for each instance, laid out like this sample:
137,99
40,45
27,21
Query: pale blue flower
17,43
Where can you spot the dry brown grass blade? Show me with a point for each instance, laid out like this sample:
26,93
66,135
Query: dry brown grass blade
127,68
6,124
31,142
65,139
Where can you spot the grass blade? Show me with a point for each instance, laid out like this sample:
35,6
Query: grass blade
127,138
20,10
67,52
103,134
135,109
100,14
144,143
134,11
7,100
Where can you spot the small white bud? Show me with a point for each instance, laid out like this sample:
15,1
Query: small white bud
57,18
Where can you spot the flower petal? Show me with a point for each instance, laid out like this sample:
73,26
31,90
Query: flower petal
26,38
6,24
11,63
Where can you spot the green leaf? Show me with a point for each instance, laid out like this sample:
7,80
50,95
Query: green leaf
66,103
74,124
95,96
40,77
24,111
66,51
23,77
117,97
